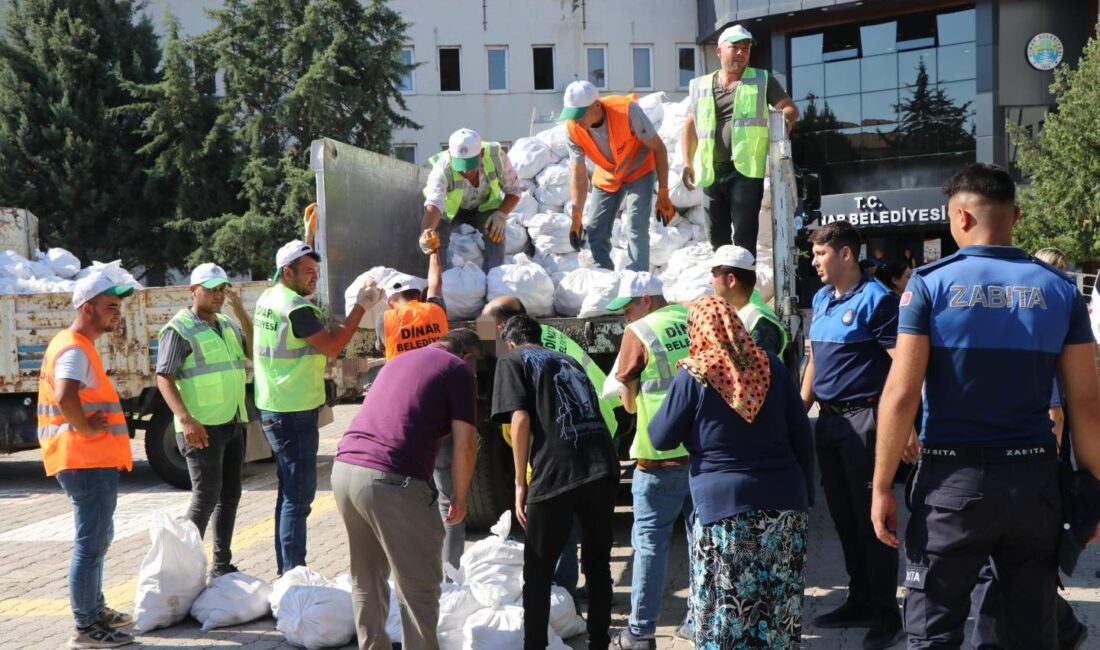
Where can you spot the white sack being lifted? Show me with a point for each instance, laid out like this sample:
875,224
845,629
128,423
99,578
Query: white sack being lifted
527,281
467,244
379,275
464,287
529,156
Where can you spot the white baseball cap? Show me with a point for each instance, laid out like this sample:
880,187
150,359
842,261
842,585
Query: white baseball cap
734,34
399,282
735,256
98,284
291,251
635,284
209,275
579,95
464,146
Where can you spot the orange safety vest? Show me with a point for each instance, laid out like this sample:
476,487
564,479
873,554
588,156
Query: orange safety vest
63,447
625,146
412,326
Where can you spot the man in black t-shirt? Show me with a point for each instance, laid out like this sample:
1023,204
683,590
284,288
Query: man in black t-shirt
554,414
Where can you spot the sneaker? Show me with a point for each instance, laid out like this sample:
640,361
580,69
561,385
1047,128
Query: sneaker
625,640
849,614
1076,640
98,635
684,631
884,634
221,570
115,619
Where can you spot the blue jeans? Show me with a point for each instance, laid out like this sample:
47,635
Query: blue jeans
293,437
661,496
600,213
93,493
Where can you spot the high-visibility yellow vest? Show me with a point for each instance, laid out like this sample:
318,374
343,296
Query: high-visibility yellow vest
755,311
555,339
749,129
493,165
664,333
212,378
289,374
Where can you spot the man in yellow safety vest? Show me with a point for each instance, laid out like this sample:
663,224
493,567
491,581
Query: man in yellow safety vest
726,139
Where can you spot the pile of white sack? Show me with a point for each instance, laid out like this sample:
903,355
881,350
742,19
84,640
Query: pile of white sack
541,267
53,271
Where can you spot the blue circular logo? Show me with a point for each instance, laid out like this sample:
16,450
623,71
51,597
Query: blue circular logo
1044,51
848,317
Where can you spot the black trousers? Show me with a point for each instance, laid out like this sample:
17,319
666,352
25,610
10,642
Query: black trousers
846,455
989,618
548,525
965,514
216,485
734,205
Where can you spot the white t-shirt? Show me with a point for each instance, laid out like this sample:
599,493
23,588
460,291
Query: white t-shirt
74,364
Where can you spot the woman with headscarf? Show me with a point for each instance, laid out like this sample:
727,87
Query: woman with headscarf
738,412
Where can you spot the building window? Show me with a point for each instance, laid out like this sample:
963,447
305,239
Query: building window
543,59
450,76
596,56
498,68
406,152
643,66
406,83
687,58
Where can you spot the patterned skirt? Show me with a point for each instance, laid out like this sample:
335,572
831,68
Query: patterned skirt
746,580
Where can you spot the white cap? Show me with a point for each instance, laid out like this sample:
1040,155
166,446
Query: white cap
734,34
291,251
464,146
398,282
209,275
735,256
97,284
579,95
635,284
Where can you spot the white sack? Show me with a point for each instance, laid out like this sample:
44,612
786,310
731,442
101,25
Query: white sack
316,617
298,576
560,264
15,266
379,275
527,207
65,264
525,280
681,197
557,138
112,270
564,619
501,628
574,287
553,185
653,105
529,156
232,599
663,242
515,236
468,244
41,267
496,562
457,602
692,283
464,290
696,254
602,289
549,232
620,259
171,576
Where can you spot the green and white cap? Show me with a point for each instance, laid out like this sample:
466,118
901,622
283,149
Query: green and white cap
464,146
734,34
579,96
98,284
635,284
209,275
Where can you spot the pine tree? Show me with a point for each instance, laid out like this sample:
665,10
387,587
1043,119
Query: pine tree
66,153
1061,207
930,121
297,70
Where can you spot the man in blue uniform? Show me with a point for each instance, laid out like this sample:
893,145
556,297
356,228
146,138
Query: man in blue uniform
852,337
984,332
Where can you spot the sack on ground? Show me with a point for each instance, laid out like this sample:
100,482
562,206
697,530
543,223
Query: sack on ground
564,619
457,603
171,576
496,561
464,290
298,576
316,617
232,599
527,281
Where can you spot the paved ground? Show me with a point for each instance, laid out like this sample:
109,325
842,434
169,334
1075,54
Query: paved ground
36,532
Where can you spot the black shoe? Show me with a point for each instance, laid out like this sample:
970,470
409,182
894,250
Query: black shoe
221,570
883,634
1077,640
849,614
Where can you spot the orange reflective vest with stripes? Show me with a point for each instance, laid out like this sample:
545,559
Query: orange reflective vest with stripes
412,326
625,146
62,446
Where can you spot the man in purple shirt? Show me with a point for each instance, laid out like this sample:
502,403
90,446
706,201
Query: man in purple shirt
382,481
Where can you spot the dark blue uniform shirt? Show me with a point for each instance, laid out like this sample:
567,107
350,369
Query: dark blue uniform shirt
996,320
850,336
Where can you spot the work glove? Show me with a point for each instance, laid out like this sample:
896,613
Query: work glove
496,227
664,206
576,239
429,241
369,295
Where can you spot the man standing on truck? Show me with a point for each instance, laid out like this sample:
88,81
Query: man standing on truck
733,276
655,339
86,443
621,141
472,182
725,138
290,343
201,375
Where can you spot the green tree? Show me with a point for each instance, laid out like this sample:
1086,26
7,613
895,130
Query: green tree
296,70
1061,207
931,121
66,153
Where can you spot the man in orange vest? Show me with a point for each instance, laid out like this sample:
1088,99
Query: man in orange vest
85,444
412,323
615,134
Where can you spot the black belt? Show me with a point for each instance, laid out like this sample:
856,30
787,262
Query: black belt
843,407
984,455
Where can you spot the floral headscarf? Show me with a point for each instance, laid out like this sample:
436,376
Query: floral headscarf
724,356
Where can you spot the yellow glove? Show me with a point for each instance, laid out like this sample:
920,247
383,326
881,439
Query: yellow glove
429,241
664,206
496,227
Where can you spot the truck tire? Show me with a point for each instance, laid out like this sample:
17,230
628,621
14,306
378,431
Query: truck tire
162,453
491,489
